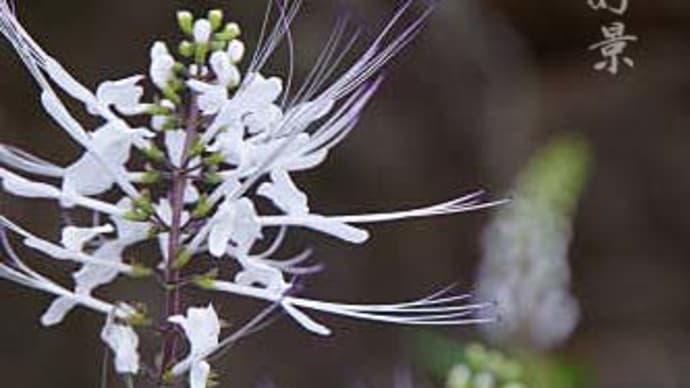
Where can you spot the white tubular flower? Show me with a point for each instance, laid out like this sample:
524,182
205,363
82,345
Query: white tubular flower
162,65
235,222
284,193
223,67
125,95
94,275
124,342
202,328
114,141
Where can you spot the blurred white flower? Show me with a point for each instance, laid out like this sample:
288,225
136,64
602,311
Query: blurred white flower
525,265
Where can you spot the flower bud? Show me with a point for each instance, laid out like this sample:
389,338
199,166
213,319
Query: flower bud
186,49
215,17
236,50
231,31
202,31
185,21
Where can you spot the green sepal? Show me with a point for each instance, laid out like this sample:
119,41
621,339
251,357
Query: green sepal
140,271
135,216
202,208
197,149
138,319
153,153
207,280
150,178
213,178
214,159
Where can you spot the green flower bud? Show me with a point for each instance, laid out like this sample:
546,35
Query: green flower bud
197,149
202,209
135,216
140,271
215,17
231,31
153,153
170,93
206,281
186,48
150,178
158,110
214,159
139,319
185,20
183,258
213,178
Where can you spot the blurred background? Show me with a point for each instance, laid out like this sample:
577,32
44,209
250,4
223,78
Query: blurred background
491,94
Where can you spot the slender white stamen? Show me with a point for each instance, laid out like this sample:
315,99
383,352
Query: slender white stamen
460,205
24,161
426,311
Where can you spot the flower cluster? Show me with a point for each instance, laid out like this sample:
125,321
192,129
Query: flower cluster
525,265
222,137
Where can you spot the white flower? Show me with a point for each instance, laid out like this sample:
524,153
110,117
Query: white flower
92,276
124,342
284,193
125,95
210,97
162,65
114,142
226,72
235,221
202,328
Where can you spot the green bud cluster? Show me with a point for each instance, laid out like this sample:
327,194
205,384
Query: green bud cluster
486,368
222,34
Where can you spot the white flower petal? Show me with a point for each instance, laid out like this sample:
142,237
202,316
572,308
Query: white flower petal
22,187
202,329
236,221
57,311
284,193
211,97
124,94
228,75
123,341
175,143
305,321
198,374
162,64
74,238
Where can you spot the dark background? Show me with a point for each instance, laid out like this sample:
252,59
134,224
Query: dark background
485,85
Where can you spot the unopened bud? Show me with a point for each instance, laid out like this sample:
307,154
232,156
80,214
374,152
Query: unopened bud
231,31
185,20
215,17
